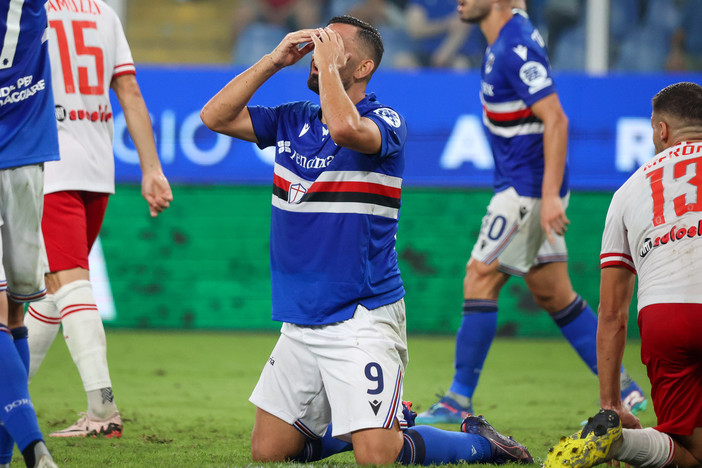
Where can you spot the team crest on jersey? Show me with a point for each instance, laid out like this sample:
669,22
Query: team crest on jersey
295,193
389,116
284,147
535,76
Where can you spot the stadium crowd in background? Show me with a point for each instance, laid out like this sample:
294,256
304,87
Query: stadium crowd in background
28,139
77,189
335,279
652,231
645,35
522,233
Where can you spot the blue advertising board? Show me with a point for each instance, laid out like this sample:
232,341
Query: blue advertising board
609,132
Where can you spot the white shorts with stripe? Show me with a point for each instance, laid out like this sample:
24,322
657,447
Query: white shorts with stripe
511,233
23,254
349,373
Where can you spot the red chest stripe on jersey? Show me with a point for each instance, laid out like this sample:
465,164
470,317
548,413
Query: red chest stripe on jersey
280,182
360,187
506,116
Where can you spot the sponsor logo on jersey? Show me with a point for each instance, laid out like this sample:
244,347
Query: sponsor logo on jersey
487,89
389,116
489,62
100,115
24,89
535,76
271,361
296,192
675,234
16,404
521,51
304,130
284,147
375,406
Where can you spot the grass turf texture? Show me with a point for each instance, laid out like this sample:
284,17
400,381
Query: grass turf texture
184,396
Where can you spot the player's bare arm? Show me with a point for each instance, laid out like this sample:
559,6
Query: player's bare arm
154,185
227,113
616,289
550,112
346,126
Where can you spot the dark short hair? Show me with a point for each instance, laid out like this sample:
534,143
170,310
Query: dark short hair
368,35
682,100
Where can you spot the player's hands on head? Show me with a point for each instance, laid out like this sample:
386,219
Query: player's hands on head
292,48
156,191
329,51
553,217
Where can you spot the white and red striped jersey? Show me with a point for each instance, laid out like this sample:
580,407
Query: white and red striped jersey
88,49
654,227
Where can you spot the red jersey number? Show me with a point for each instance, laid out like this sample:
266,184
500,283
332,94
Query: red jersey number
84,86
681,203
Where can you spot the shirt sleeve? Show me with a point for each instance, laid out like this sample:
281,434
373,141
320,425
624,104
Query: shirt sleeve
615,250
124,63
393,130
529,72
265,124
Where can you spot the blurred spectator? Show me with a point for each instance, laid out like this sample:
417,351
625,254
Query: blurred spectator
441,39
262,24
560,16
388,16
686,43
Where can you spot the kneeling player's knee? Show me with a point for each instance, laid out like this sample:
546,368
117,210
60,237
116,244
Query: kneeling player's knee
265,451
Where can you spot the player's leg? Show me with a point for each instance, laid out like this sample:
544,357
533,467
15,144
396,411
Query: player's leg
43,322
552,290
501,250
273,439
293,414
71,223
22,265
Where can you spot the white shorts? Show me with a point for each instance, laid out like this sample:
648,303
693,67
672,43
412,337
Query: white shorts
511,233
23,255
349,373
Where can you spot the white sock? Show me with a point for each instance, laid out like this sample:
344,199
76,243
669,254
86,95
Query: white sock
42,321
645,448
84,333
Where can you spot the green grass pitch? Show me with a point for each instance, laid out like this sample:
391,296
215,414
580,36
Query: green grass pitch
184,395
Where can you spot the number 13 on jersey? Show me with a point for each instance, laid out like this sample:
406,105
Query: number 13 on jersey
686,202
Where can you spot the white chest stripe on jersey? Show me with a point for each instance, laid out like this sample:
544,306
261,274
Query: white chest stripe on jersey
532,128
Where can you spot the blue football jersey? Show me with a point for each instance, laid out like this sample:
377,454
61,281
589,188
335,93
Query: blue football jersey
334,214
515,74
28,132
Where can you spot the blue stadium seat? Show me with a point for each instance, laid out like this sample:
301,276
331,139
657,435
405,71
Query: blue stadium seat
663,16
570,50
624,17
645,50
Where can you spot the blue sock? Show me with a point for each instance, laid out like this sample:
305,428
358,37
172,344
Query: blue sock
578,324
473,342
6,443
16,410
318,449
19,335
427,445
